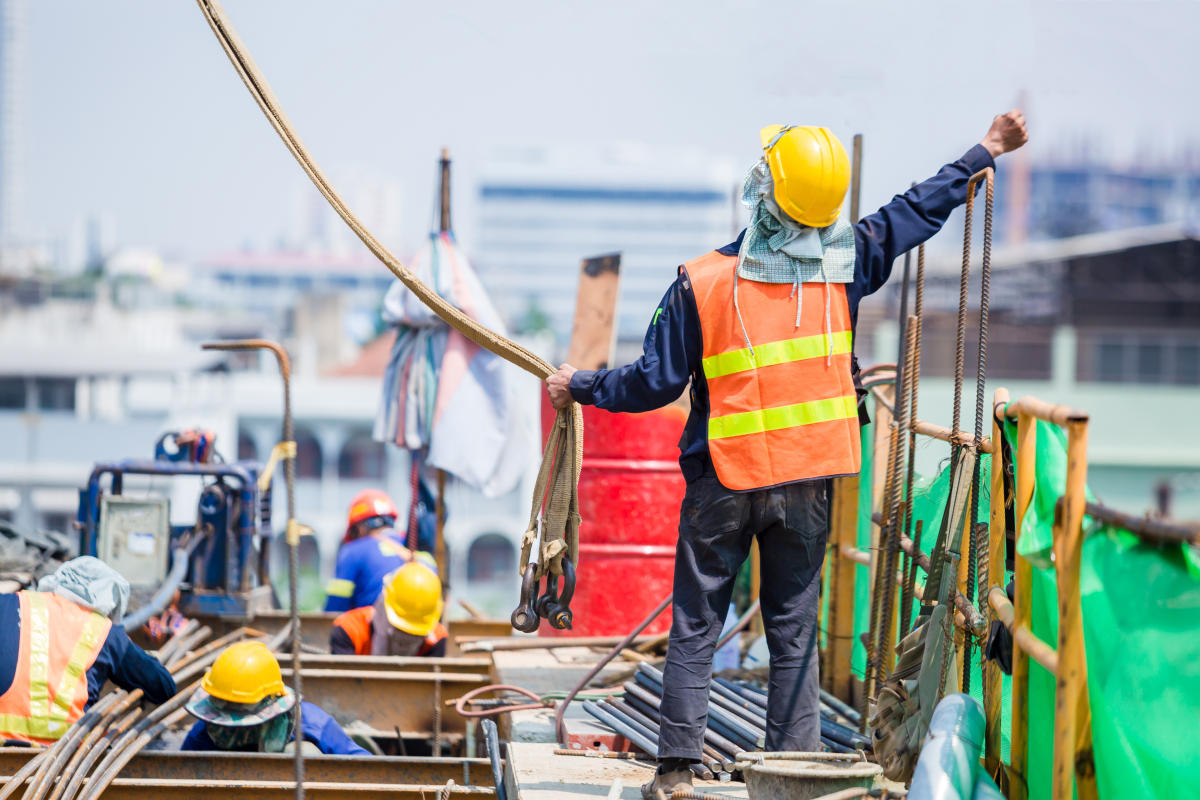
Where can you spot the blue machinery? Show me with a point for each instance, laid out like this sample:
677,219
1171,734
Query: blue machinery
229,544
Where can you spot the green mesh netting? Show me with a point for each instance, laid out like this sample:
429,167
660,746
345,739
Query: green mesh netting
1141,614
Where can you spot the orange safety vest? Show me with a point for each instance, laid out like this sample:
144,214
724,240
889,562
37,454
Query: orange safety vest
784,409
60,640
357,624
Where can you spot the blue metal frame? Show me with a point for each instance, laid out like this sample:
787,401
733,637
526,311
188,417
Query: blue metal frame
216,562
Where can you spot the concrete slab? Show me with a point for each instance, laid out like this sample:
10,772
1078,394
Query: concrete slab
534,772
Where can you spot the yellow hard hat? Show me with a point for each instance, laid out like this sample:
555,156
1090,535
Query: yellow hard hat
811,172
412,596
246,672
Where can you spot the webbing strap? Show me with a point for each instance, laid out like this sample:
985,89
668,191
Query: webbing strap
561,519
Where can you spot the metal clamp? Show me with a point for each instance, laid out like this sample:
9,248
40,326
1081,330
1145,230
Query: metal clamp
525,617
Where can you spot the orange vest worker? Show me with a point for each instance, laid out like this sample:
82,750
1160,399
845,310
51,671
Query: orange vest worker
49,688
783,409
357,625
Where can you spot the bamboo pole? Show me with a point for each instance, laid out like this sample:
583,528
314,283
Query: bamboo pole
1022,578
960,636
1034,647
842,587
1072,717
995,578
944,434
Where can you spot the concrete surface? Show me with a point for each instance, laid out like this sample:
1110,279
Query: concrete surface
534,772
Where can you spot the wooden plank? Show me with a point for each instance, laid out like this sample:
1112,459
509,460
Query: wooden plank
844,532
1072,716
593,333
1026,458
995,577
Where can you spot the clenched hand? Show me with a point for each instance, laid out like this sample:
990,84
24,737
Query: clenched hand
1008,132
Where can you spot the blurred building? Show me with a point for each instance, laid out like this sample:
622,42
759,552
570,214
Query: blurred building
89,379
1108,323
541,212
1077,196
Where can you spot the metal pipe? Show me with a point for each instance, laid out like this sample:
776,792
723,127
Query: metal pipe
837,705
293,534
641,710
631,733
559,727
491,738
718,741
725,724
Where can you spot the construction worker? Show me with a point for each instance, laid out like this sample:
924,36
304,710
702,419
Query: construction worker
763,330
242,705
404,621
371,549
58,647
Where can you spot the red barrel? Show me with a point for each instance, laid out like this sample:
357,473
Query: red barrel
630,489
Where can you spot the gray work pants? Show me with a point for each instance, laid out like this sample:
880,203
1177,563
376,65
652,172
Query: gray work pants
716,526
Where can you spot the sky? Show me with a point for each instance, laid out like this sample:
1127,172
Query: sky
134,113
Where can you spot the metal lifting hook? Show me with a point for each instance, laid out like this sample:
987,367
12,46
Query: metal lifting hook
525,616
555,608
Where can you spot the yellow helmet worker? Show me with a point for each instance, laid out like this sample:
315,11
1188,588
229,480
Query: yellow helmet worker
404,621
242,705
810,169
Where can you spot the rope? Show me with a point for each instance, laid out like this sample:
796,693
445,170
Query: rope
559,522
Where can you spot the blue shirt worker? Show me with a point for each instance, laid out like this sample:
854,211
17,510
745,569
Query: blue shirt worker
371,549
58,647
763,329
243,706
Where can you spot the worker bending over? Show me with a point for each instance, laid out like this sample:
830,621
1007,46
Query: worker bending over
243,706
404,621
763,329
371,549
58,647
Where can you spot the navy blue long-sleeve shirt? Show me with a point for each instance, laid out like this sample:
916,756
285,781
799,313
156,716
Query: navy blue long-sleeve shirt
671,350
119,660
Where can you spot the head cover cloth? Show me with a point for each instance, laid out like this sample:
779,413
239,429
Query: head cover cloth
89,582
777,249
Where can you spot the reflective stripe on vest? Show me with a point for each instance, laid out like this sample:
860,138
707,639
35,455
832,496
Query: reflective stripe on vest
782,408
51,628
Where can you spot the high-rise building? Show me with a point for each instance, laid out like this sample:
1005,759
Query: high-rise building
541,212
13,23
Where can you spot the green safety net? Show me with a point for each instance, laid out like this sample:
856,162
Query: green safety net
1141,614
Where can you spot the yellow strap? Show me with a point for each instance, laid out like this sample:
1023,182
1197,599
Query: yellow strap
73,676
39,656
780,417
340,587
279,452
782,352
294,531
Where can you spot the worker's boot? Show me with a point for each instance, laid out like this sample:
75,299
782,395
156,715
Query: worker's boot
672,774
